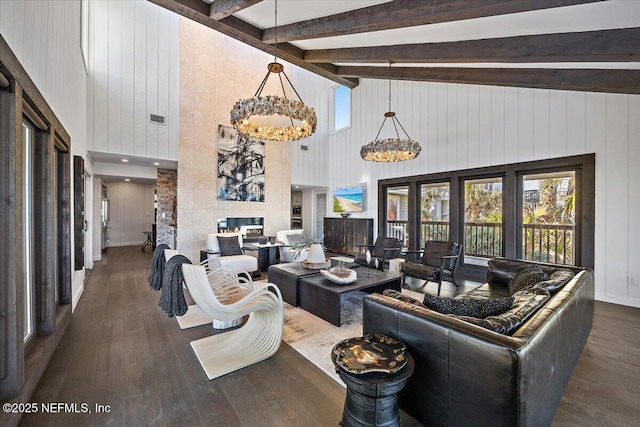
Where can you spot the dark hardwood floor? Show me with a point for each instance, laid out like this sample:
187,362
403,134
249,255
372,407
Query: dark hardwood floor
121,350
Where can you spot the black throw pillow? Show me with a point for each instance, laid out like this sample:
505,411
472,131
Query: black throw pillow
468,307
229,246
526,277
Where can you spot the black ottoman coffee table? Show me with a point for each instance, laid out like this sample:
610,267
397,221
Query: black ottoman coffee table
374,368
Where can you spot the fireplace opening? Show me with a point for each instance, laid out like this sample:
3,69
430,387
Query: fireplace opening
252,229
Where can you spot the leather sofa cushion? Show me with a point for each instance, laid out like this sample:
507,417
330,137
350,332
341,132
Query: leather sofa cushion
557,280
392,293
526,277
470,307
526,303
229,246
502,271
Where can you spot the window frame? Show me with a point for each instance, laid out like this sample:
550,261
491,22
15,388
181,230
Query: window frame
582,165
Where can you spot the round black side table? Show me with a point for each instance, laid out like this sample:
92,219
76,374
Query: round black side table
372,398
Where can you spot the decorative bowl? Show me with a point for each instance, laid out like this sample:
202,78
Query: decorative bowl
343,276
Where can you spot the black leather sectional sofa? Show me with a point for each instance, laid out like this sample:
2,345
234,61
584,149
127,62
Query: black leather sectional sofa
468,375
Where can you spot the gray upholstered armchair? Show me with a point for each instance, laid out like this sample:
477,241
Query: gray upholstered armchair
438,262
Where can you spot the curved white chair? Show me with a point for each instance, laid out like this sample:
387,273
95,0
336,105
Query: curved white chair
245,264
258,339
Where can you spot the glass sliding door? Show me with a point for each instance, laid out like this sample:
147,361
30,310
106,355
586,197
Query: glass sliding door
549,217
434,212
28,149
483,220
397,213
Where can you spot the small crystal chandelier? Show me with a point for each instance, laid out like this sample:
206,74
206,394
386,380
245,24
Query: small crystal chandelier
390,149
270,105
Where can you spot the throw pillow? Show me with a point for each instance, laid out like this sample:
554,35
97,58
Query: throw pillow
401,297
229,246
468,307
526,277
295,239
558,279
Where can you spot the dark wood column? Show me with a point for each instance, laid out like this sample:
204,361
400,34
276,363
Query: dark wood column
44,236
11,268
64,225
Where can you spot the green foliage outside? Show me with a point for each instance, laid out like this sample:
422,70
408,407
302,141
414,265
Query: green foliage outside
336,205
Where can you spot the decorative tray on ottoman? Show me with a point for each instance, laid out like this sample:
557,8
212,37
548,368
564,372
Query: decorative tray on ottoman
340,274
370,353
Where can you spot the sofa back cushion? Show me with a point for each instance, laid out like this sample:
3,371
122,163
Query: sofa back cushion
502,271
526,303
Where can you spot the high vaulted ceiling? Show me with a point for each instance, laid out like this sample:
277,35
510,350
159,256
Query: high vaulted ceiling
591,45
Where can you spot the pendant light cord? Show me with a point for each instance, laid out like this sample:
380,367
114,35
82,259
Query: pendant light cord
275,44
390,62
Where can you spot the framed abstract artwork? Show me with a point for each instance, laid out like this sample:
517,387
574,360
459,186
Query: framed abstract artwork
240,167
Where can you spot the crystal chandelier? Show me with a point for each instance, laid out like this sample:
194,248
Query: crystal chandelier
304,116
390,149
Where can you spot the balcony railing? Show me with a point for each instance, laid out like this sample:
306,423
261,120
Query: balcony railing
483,239
552,243
549,243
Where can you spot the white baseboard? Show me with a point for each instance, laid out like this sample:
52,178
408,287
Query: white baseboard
631,302
76,297
116,245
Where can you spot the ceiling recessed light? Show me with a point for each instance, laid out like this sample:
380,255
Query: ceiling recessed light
127,179
125,160
156,163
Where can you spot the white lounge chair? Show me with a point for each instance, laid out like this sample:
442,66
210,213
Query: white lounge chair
258,339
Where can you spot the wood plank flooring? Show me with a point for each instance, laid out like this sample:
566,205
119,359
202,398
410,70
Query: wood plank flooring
121,350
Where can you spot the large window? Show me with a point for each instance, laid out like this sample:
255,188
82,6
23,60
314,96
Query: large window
482,219
434,212
540,210
397,213
341,108
548,217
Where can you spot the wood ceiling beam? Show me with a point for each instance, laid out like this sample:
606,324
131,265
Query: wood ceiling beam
198,11
405,13
222,8
613,81
620,45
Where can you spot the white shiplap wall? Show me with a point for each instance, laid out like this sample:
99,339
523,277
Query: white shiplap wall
465,126
45,37
133,72
131,210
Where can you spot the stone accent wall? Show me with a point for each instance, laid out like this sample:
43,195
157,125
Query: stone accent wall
214,73
166,216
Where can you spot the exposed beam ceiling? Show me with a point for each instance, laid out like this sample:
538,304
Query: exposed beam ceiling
555,44
614,81
223,8
199,11
593,46
405,13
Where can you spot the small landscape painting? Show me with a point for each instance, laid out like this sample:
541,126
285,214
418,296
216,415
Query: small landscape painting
240,167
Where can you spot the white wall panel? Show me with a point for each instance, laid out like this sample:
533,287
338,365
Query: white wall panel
135,73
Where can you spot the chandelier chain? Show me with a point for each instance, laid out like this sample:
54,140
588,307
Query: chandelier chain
390,62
